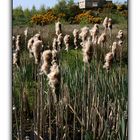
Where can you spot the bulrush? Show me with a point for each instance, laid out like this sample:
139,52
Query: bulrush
105,23
67,42
37,37
55,44
108,61
55,51
47,58
60,41
110,26
58,28
36,50
29,46
54,79
76,36
88,51
31,41
85,33
120,43
55,56
94,32
120,35
102,39
16,58
26,32
95,42
18,42
115,49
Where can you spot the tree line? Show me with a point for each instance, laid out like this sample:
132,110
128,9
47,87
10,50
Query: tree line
64,10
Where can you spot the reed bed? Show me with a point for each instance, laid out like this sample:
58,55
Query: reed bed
92,105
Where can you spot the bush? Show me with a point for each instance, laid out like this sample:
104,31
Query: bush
110,5
125,14
87,18
121,7
44,19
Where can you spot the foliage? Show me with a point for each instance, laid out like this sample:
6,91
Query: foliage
110,5
43,19
68,12
121,7
108,92
87,18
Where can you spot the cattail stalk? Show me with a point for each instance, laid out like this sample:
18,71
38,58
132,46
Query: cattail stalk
21,113
83,103
49,99
41,104
16,119
88,99
75,97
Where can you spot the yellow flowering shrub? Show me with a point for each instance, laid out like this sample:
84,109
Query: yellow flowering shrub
86,17
44,19
61,15
36,19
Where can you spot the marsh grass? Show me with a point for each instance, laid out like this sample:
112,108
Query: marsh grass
107,104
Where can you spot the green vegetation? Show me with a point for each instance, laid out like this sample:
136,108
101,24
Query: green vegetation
93,103
68,12
108,102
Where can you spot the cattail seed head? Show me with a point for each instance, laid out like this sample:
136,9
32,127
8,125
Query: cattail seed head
94,33
76,36
36,50
60,41
108,61
88,51
85,33
18,42
102,38
47,58
120,35
105,23
26,32
109,23
67,42
58,28
16,58
54,45
120,42
54,78
37,37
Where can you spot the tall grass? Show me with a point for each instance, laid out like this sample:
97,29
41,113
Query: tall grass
93,104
